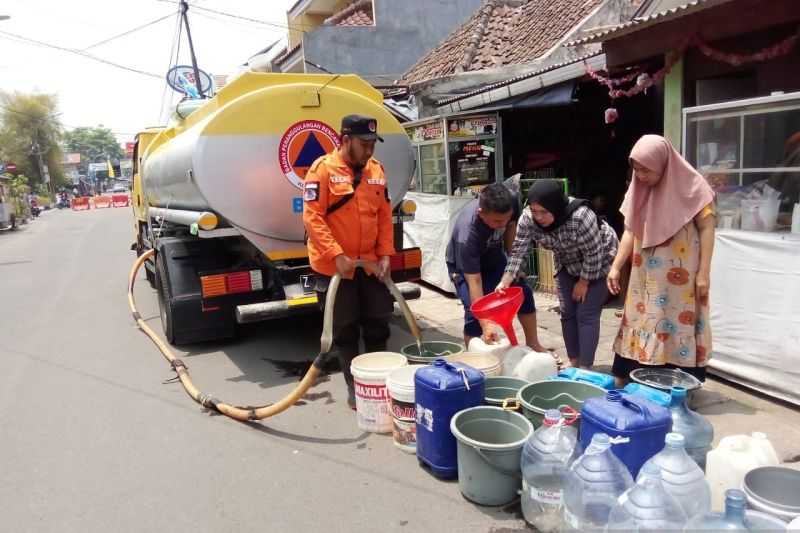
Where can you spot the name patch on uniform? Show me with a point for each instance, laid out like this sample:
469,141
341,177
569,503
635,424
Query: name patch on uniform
376,181
339,179
311,191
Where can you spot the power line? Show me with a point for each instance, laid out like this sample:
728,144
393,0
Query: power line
299,28
80,53
137,28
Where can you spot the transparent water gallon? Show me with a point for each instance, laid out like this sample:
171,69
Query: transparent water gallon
698,432
682,477
592,486
545,459
647,506
732,519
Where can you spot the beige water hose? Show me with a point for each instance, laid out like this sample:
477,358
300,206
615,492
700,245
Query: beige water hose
244,414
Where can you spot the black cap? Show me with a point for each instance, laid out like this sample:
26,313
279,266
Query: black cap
362,127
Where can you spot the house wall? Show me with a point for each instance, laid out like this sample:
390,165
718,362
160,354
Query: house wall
404,31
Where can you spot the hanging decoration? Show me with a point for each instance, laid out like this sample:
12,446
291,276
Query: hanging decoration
770,52
611,115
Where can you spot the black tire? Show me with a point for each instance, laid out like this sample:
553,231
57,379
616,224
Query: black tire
151,277
164,302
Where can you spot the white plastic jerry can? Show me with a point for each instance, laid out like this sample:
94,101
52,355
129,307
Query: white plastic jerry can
522,362
498,349
732,459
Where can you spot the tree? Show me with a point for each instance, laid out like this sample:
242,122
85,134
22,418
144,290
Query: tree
96,145
29,128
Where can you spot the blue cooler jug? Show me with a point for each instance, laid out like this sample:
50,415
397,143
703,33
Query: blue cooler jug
586,376
441,390
649,393
645,423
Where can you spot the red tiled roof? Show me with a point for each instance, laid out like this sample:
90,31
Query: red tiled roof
502,32
358,13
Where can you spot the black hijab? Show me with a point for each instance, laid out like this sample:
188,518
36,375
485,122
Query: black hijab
550,195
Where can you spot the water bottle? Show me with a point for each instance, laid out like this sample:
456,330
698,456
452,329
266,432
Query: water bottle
592,485
698,432
647,506
545,459
682,477
733,519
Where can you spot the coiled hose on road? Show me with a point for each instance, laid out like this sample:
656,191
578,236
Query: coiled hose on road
245,414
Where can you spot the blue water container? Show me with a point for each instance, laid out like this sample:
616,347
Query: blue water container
586,376
441,390
643,422
649,393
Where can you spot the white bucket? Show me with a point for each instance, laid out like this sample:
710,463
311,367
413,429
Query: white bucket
485,362
372,402
400,385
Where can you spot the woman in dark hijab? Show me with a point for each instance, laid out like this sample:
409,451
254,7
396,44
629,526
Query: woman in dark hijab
584,248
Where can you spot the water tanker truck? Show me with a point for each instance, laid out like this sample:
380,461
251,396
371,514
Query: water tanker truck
218,195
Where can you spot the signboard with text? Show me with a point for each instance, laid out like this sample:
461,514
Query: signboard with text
472,126
426,132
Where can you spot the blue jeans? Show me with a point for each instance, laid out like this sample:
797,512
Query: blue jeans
490,279
580,322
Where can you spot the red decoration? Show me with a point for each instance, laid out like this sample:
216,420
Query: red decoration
770,52
611,115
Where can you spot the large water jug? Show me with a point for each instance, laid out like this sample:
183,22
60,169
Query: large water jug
592,486
735,456
604,381
698,432
647,506
649,393
522,362
544,463
681,476
733,519
643,423
498,349
440,391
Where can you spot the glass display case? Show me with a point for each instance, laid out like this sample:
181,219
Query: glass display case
749,151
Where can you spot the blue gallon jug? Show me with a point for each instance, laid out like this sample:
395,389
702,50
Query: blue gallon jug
440,391
649,393
586,376
643,422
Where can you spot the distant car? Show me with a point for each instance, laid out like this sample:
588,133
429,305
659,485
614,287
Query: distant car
119,189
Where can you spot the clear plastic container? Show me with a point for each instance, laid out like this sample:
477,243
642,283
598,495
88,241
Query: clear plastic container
733,519
732,459
647,506
592,486
698,432
682,477
545,459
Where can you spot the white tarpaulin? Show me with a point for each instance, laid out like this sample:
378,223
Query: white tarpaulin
430,231
755,311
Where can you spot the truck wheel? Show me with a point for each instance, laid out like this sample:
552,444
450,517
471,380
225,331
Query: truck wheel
164,303
151,278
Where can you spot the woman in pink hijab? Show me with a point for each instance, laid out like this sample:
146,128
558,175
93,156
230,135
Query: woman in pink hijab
669,229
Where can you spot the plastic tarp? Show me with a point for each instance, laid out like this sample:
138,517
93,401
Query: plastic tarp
430,231
755,311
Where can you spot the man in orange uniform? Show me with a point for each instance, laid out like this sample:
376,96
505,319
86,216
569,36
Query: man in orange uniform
348,217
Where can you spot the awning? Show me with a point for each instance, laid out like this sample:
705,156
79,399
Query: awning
553,96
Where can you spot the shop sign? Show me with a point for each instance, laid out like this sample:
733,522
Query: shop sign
472,126
426,132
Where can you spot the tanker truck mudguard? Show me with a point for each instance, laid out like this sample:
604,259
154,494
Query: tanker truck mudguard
217,197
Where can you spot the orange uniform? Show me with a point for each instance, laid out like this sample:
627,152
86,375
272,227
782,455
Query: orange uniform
361,228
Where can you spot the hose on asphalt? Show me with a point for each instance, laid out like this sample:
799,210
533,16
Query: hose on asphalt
245,414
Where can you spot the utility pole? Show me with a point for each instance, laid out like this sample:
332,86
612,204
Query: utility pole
184,9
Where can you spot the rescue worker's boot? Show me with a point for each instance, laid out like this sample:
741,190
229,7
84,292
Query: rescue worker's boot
346,357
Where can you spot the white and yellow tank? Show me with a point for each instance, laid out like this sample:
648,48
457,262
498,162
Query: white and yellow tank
243,154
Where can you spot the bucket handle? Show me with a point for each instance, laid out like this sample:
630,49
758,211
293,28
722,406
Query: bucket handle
508,407
516,473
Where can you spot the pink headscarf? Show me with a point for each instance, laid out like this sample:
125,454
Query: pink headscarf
655,214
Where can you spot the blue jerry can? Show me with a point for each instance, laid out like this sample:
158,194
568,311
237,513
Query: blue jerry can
643,422
604,381
441,390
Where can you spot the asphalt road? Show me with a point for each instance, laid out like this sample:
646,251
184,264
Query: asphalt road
94,440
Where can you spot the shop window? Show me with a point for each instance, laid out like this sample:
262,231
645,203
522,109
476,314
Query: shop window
432,170
472,164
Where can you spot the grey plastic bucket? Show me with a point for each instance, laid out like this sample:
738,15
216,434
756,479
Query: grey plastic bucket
431,350
774,490
501,388
490,441
538,397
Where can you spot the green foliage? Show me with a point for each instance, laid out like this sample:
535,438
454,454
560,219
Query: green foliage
28,127
94,144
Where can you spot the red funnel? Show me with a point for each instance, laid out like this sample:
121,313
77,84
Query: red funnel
500,307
